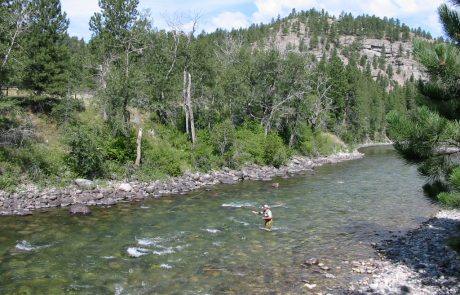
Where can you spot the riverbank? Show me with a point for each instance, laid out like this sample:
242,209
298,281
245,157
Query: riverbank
420,262
83,192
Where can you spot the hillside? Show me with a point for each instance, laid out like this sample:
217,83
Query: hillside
366,39
144,104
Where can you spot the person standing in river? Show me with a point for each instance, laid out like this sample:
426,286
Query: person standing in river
267,216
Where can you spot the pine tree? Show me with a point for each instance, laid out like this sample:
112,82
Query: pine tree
46,65
430,135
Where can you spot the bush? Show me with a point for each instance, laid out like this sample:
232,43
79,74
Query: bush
320,144
122,149
66,111
87,150
275,152
223,137
10,175
160,157
450,199
202,157
455,178
249,145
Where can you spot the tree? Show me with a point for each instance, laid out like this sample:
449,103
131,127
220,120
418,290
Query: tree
46,64
14,16
117,43
429,135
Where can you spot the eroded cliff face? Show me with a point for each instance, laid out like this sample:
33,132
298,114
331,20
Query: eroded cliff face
398,54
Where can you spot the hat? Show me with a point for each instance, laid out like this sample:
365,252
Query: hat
266,206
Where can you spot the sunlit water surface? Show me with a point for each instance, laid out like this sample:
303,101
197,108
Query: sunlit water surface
208,242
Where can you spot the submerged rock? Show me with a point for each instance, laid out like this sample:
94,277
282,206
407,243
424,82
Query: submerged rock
79,209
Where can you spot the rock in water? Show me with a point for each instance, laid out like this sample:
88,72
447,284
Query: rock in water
311,261
83,183
275,184
79,209
126,187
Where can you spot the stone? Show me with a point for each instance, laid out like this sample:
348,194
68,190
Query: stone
311,261
79,209
126,187
85,183
275,185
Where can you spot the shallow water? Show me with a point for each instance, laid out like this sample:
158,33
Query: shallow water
208,242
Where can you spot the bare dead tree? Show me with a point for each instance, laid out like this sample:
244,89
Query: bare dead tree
179,30
322,103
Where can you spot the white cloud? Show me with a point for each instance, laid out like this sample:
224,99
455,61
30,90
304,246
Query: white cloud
229,20
80,8
240,13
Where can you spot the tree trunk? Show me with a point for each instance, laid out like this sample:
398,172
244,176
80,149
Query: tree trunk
190,108
184,94
139,142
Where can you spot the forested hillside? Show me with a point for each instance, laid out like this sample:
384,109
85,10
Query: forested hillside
143,103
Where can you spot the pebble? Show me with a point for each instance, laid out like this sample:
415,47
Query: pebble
85,192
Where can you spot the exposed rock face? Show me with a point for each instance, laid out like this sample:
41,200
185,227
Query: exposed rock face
23,202
403,64
79,209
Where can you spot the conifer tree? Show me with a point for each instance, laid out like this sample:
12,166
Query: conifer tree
430,135
46,62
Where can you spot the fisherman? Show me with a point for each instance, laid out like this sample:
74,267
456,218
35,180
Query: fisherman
267,216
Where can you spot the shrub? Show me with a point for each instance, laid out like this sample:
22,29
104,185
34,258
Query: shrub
160,157
275,152
450,199
87,150
202,157
223,137
455,178
249,145
66,111
122,149
10,175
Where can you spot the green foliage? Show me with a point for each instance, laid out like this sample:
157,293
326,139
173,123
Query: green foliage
249,144
450,199
122,149
87,150
46,67
161,158
38,163
275,152
455,178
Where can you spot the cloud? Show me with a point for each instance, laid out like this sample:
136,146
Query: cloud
229,20
240,13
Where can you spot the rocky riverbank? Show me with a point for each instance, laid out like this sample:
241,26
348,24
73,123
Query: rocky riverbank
84,191
418,263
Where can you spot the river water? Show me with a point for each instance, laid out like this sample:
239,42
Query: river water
208,242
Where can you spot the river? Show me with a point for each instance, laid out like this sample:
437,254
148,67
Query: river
208,242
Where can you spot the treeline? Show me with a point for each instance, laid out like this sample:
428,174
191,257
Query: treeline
203,101
329,27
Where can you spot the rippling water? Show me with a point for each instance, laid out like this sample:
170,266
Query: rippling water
208,242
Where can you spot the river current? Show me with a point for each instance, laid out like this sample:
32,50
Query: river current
209,242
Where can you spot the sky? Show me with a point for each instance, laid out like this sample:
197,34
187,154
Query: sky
229,14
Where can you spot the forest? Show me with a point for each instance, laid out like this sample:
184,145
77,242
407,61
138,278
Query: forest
136,102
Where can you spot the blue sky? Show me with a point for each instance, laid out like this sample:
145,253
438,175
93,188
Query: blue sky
241,13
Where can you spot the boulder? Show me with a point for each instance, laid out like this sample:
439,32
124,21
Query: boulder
79,209
126,187
275,184
85,183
